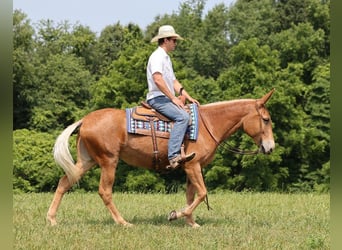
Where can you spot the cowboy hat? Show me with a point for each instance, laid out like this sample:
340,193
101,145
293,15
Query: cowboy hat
166,31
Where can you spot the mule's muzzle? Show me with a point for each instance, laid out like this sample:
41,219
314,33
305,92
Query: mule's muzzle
267,148
263,150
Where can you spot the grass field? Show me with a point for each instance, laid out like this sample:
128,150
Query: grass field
237,221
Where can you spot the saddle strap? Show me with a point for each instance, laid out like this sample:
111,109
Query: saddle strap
156,161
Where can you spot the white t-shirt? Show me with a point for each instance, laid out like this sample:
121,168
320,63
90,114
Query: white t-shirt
159,61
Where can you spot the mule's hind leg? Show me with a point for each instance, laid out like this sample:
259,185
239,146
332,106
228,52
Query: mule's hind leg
63,186
108,169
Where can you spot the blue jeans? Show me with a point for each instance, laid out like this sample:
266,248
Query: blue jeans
181,120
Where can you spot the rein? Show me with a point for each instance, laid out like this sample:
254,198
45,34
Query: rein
225,145
235,150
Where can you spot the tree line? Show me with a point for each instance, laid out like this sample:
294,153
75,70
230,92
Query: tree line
63,71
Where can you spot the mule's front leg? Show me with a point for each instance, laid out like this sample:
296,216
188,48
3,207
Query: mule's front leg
194,183
190,197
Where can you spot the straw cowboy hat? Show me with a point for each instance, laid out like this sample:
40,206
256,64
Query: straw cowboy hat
166,31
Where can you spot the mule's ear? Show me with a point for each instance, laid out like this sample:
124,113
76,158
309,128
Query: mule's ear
265,98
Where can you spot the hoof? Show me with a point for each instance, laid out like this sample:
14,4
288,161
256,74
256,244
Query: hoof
51,221
195,225
172,215
127,224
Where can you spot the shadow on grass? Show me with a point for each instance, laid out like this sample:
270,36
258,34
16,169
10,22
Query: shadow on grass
157,220
161,220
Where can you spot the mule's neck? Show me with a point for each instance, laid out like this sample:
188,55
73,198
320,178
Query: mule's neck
222,119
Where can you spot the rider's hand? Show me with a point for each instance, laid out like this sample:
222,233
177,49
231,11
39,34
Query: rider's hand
193,100
178,102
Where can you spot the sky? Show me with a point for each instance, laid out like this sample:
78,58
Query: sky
97,14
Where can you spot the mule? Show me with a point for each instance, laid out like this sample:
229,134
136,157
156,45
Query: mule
103,139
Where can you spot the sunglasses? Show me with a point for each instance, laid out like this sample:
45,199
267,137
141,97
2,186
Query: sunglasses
172,39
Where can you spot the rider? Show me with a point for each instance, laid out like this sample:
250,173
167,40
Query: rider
162,85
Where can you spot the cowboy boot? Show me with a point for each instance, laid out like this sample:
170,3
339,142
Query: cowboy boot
179,160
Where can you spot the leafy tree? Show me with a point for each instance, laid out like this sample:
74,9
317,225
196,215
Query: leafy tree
34,169
205,46
125,83
110,44
64,38
252,19
189,18
206,50
61,72
316,12
64,84
83,42
318,104
318,109
52,39
143,181
300,44
252,71
23,69
293,12
203,89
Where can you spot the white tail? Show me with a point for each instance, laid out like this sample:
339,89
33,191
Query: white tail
62,154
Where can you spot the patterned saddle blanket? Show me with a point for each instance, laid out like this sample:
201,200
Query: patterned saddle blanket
139,120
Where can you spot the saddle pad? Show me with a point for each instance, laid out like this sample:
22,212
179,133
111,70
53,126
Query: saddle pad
162,128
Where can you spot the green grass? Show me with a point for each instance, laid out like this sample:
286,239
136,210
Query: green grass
237,221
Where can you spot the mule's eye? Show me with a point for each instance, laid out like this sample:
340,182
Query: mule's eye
266,120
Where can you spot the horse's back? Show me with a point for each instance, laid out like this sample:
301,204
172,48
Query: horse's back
104,117
104,134
104,127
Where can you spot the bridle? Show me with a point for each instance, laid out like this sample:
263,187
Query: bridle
228,147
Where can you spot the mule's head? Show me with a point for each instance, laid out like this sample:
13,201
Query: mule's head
258,125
